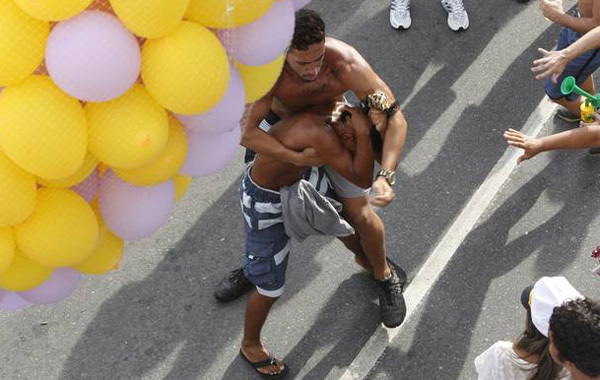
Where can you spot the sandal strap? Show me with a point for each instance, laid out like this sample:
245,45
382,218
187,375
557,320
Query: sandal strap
264,363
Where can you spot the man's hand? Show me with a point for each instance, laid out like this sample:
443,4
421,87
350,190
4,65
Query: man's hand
383,193
552,9
530,145
309,157
351,117
379,118
552,63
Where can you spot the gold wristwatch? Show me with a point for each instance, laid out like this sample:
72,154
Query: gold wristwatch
389,175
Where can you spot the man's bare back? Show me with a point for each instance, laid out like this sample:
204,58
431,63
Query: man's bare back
297,132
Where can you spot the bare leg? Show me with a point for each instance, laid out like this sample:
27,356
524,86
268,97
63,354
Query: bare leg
573,105
352,242
257,310
371,232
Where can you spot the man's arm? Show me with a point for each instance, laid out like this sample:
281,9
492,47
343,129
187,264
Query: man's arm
553,10
362,80
358,169
261,142
583,137
554,62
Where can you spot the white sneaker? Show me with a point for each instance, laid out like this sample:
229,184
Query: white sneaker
457,15
400,14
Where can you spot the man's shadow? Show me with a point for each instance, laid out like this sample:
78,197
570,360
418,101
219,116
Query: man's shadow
171,315
453,308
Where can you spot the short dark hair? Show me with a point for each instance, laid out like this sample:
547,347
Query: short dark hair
309,29
575,328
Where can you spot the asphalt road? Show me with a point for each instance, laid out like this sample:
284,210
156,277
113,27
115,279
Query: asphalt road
156,318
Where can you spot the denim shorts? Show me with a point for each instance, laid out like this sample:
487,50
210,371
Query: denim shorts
580,68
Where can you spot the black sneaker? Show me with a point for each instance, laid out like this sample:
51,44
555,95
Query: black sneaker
233,286
399,271
391,301
568,116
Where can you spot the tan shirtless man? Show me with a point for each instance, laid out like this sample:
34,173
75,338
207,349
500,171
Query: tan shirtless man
316,74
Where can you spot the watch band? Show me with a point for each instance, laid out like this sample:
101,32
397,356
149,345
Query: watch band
389,175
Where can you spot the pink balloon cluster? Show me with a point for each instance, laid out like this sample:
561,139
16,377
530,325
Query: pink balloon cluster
59,286
93,57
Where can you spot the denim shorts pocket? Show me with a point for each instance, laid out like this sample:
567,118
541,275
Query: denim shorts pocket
260,264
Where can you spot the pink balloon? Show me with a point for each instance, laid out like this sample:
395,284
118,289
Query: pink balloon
300,3
89,186
228,112
210,153
93,57
58,287
11,301
134,212
265,39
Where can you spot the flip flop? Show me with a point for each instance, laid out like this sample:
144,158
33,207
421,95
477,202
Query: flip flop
266,363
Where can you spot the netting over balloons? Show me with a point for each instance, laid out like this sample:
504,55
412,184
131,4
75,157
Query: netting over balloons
108,108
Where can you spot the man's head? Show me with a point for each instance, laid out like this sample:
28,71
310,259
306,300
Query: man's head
575,337
307,51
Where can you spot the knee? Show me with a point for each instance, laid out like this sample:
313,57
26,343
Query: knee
365,218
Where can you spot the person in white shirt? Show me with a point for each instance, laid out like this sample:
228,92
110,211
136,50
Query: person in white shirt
529,357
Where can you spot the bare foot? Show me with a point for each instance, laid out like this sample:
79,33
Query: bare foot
255,354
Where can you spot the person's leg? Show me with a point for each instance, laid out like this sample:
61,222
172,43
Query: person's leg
257,310
371,233
352,242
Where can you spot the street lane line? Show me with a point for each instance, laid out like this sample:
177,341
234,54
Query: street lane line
431,270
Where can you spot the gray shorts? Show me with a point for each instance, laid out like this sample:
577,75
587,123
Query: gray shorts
344,188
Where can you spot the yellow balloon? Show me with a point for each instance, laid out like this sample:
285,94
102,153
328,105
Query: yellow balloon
106,256
23,274
128,132
227,13
182,184
150,18
166,165
89,164
22,43
7,248
18,193
62,231
42,129
53,10
187,71
258,80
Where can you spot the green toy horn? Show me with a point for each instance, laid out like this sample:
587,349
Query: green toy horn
569,85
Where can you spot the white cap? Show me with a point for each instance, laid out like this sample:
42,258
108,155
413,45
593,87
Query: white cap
548,293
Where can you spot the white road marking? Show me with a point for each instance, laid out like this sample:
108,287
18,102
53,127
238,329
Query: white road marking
442,254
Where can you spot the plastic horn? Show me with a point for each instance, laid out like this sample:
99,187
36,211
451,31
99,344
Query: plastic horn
569,85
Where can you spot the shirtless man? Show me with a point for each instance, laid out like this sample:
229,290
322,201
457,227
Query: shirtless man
317,72
267,245
575,24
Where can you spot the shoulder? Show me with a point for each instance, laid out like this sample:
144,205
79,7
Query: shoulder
499,362
343,58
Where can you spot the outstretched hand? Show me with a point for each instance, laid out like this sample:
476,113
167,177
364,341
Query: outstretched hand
530,145
552,63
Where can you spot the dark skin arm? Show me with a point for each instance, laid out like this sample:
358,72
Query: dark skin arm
261,142
357,168
362,80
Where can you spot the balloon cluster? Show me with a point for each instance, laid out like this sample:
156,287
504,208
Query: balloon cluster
108,108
